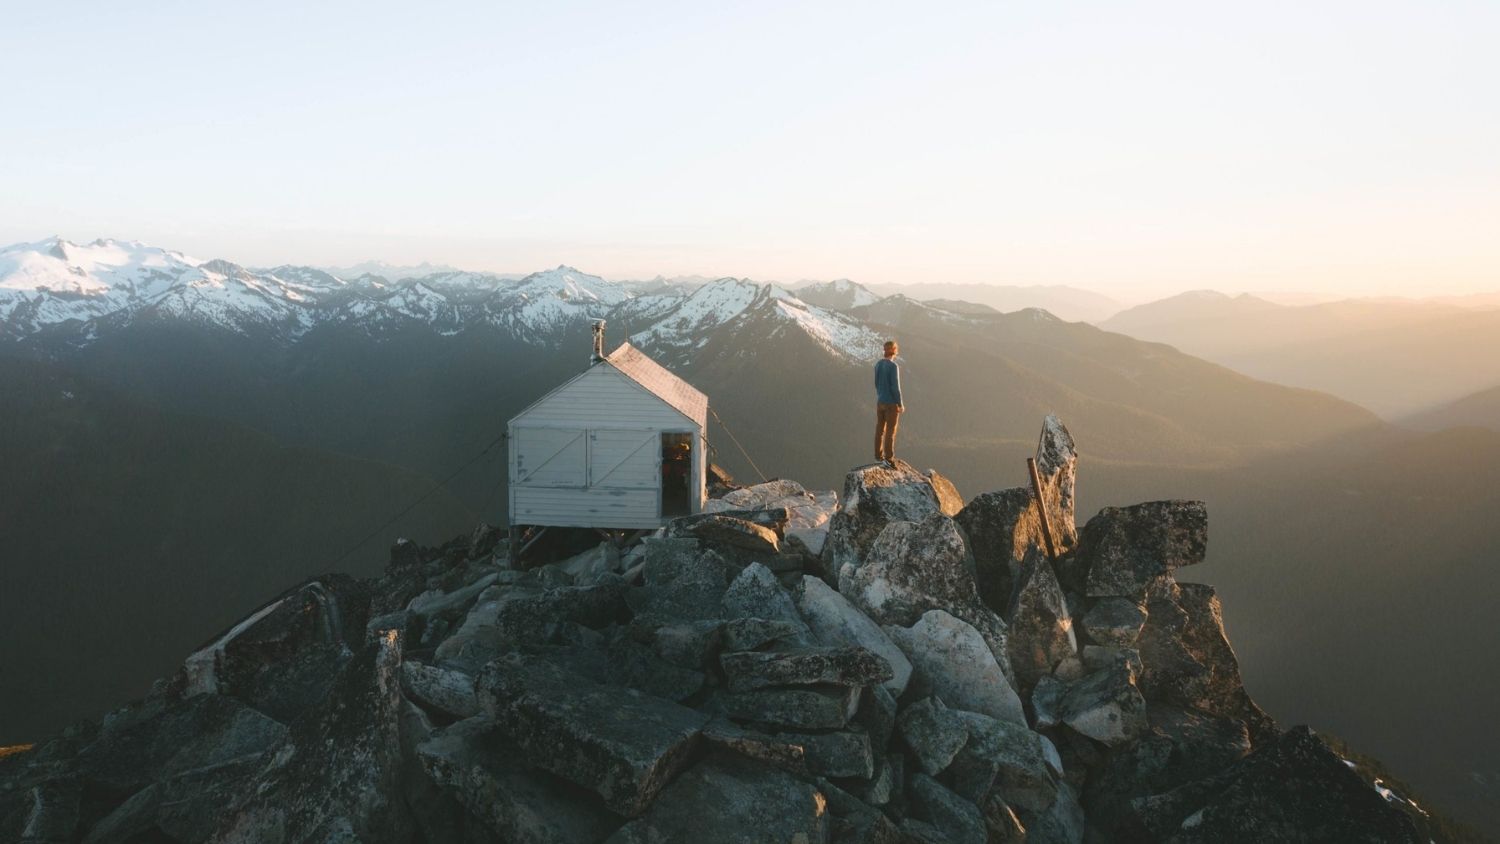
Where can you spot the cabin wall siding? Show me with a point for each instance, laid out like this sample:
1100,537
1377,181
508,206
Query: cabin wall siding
601,508
618,424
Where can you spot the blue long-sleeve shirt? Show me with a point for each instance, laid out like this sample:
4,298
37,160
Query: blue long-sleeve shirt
887,382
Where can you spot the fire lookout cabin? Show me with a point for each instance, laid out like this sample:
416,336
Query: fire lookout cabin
621,446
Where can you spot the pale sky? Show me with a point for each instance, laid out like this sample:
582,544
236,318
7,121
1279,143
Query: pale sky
1129,148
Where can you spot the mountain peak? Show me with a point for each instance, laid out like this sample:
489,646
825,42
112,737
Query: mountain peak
840,294
948,637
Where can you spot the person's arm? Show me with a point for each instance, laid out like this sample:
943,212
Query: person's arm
896,385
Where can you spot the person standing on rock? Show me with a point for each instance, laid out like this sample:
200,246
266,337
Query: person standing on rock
888,404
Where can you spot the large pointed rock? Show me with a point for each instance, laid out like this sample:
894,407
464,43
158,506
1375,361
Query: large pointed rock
1057,464
1187,659
1124,550
619,743
338,771
950,659
734,801
914,567
876,495
1041,630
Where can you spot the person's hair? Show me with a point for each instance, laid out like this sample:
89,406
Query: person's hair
890,344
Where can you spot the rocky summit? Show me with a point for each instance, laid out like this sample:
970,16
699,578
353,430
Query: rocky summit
889,664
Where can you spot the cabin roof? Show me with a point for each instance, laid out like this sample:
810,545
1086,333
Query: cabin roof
660,382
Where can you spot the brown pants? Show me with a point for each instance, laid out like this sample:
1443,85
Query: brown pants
887,420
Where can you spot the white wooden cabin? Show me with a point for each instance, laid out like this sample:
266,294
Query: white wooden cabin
622,445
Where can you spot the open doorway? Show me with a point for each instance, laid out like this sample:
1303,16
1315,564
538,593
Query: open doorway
676,474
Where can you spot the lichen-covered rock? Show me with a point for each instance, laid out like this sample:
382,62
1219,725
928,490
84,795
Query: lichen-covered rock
1293,789
1182,745
748,670
734,801
773,517
636,666
681,581
756,593
1041,630
449,692
748,634
933,733
619,743
185,806
1064,822
834,622
950,659
685,644
959,820
1114,621
470,761
843,753
1105,705
808,512
804,708
1002,527
722,529
874,496
1004,756
339,767
914,567
856,821
1126,549
774,749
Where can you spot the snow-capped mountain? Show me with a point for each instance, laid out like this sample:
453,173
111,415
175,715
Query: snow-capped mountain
842,294
679,323
109,283
87,289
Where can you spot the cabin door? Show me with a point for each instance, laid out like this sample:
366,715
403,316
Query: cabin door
676,474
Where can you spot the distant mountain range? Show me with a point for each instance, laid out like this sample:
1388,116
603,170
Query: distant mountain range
421,373
1397,357
1480,410
1068,303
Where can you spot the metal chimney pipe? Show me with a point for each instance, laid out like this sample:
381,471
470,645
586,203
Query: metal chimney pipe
598,354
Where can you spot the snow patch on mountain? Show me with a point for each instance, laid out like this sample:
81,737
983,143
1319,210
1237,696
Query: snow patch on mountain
842,294
689,321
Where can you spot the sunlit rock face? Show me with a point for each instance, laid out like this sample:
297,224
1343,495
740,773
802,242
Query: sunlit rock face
928,673
876,495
